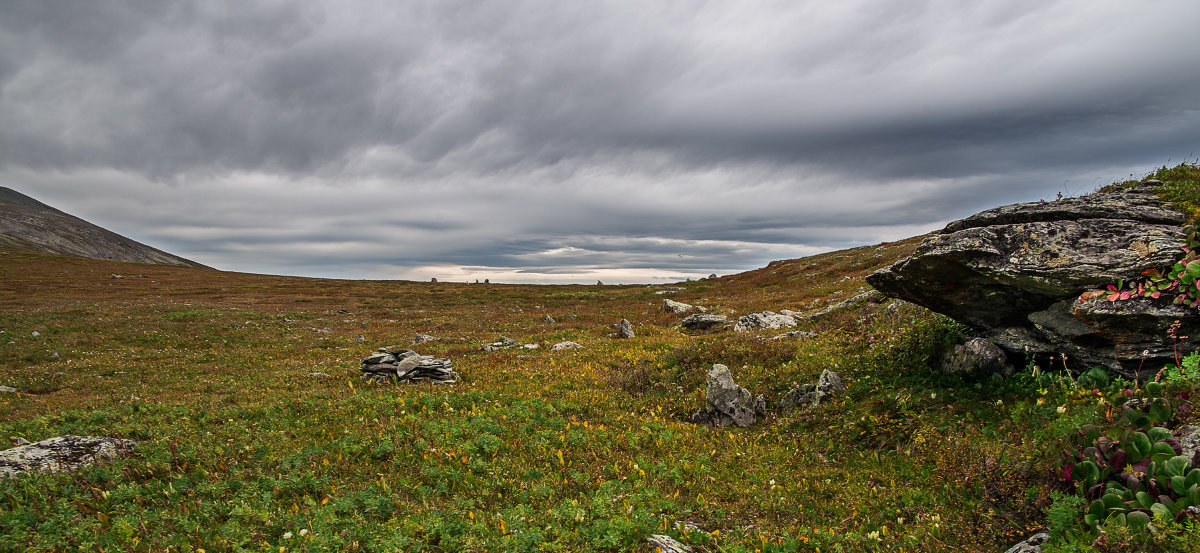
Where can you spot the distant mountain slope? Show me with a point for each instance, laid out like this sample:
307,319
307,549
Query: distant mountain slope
28,223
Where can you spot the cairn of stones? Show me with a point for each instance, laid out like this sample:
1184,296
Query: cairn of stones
406,365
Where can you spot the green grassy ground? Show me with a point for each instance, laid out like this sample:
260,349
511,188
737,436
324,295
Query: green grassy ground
586,450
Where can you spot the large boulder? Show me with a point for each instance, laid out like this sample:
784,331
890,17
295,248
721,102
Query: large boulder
1019,275
766,319
726,403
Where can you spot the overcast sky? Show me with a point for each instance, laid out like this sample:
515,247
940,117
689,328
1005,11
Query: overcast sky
553,141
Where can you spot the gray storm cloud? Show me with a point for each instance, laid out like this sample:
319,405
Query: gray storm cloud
381,139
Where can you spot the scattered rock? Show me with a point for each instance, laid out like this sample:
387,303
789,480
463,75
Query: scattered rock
795,334
530,346
433,280
810,395
565,345
62,453
1018,275
702,321
766,319
8,390
978,355
548,320
1031,545
319,375
598,283
503,343
667,544
624,329
726,403
20,441
325,330
670,290
712,276
142,276
406,365
35,334
360,338
672,306
116,276
422,338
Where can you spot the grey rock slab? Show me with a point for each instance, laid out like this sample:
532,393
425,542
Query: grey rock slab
764,320
672,306
62,453
8,390
703,321
625,329
565,345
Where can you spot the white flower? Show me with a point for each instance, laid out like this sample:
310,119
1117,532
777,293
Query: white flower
287,535
304,532
1062,409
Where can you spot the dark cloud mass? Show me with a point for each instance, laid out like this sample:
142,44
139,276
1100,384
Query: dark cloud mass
543,141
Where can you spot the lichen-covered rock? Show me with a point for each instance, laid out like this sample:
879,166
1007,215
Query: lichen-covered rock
726,403
766,319
406,365
62,453
1018,275
977,355
702,321
625,329
672,306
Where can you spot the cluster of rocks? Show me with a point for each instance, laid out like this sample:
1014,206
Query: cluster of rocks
726,403
765,320
406,365
1020,276
503,343
809,395
62,453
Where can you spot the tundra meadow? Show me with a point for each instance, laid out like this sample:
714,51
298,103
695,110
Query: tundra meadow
255,432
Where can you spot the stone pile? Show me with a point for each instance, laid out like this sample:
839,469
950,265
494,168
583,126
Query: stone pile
406,365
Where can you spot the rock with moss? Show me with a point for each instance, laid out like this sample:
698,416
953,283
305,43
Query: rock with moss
672,306
1031,545
1029,278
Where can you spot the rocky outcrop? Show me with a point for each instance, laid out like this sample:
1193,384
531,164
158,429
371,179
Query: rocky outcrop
565,345
62,453
702,321
1031,545
766,319
406,365
726,403
1019,273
